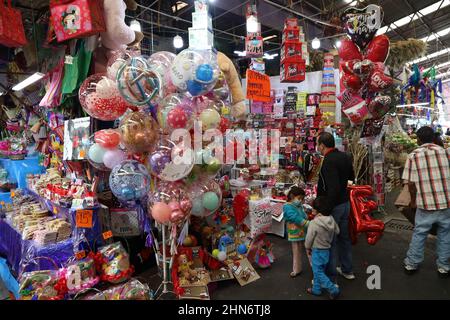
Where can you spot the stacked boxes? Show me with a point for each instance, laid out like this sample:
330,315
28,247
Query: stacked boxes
201,35
328,89
293,53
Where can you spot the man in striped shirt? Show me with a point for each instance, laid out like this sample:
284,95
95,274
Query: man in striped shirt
427,173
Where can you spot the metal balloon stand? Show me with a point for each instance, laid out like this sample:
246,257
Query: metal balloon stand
163,287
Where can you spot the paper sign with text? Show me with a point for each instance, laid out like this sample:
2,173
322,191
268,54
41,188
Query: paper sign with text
258,86
84,219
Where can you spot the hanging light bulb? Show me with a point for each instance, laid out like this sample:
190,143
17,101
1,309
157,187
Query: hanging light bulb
135,25
178,42
315,43
338,43
252,24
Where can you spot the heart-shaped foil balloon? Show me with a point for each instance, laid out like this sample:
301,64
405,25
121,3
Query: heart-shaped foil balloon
361,25
379,106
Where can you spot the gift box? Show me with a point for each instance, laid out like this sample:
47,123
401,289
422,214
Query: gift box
291,51
294,71
76,18
201,20
291,35
12,33
291,24
201,39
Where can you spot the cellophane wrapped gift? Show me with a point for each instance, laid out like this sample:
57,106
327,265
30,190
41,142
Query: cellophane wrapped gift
80,275
116,266
40,285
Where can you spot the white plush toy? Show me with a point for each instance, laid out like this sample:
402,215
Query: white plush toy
118,34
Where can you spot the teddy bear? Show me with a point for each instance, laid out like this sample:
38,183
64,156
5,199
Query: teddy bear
184,269
118,34
238,108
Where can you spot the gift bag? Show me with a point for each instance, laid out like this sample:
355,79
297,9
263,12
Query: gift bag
12,33
76,18
76,68
52,96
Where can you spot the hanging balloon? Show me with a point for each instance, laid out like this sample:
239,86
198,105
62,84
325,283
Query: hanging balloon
139,132
170,202
352,82
129,181
379,81
379,106
160,62
107,138
348,51
195,71
361,25
378,49
137,83
175,111
100,98
116,61
363,68
113,157
95,156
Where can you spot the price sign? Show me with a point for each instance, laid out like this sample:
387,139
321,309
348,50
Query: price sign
80,254
84,218
107,235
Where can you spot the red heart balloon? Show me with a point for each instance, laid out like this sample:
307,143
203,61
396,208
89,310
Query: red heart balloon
349,51
352,82
379,81
363,68
378,49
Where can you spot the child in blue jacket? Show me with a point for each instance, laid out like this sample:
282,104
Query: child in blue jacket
296,224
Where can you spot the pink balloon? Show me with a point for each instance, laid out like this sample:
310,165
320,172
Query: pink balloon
161,212
113,157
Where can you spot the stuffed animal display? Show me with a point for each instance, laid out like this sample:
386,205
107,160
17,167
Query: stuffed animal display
238,109
118,34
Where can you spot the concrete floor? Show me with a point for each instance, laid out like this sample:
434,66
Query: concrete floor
388,254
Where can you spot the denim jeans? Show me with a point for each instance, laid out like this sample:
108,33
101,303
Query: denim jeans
319,261
342,245
424,222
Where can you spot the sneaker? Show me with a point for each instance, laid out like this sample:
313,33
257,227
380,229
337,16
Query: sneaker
409,270
335,295
443,273
348,276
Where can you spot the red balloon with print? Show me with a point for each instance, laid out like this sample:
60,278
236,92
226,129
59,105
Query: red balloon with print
349,51
352,82
379,81
378,49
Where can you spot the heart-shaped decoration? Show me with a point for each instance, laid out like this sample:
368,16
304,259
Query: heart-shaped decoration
347,66
361,25
363,68
349,51
379,106
379,81
378,49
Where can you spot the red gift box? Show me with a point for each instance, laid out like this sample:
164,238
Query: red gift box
291,52
291,35
293,71
12,33
291,23
76,18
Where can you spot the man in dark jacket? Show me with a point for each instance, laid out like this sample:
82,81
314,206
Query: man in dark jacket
336,172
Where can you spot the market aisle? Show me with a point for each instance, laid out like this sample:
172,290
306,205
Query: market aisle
388,253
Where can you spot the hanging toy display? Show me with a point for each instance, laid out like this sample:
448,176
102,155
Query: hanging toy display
170,202
195,71
139,132
137,83
176,111
101,99
129,181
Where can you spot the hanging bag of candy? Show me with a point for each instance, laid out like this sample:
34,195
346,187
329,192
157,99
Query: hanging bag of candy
76,18
41,284
12,33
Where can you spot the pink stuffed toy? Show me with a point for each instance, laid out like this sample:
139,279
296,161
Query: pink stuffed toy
118,34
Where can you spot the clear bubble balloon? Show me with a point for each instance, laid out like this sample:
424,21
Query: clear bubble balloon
206,197
95,156
176,111
195,71
170,202
117,60
160,62
101,99
139,132
113,157
137,82
129,181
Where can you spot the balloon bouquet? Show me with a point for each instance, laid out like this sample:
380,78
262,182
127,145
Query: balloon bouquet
362,60
153,97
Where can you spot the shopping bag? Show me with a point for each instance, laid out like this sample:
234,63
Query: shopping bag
76,18
404,198
12,33
76,68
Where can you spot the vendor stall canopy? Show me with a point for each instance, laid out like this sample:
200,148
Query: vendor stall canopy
162,20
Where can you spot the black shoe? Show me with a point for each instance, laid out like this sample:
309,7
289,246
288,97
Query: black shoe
409,270
443,273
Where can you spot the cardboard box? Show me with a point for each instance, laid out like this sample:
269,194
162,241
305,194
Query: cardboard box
201,39
201,6
291,23
291,51
293,71
201,20
291,35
